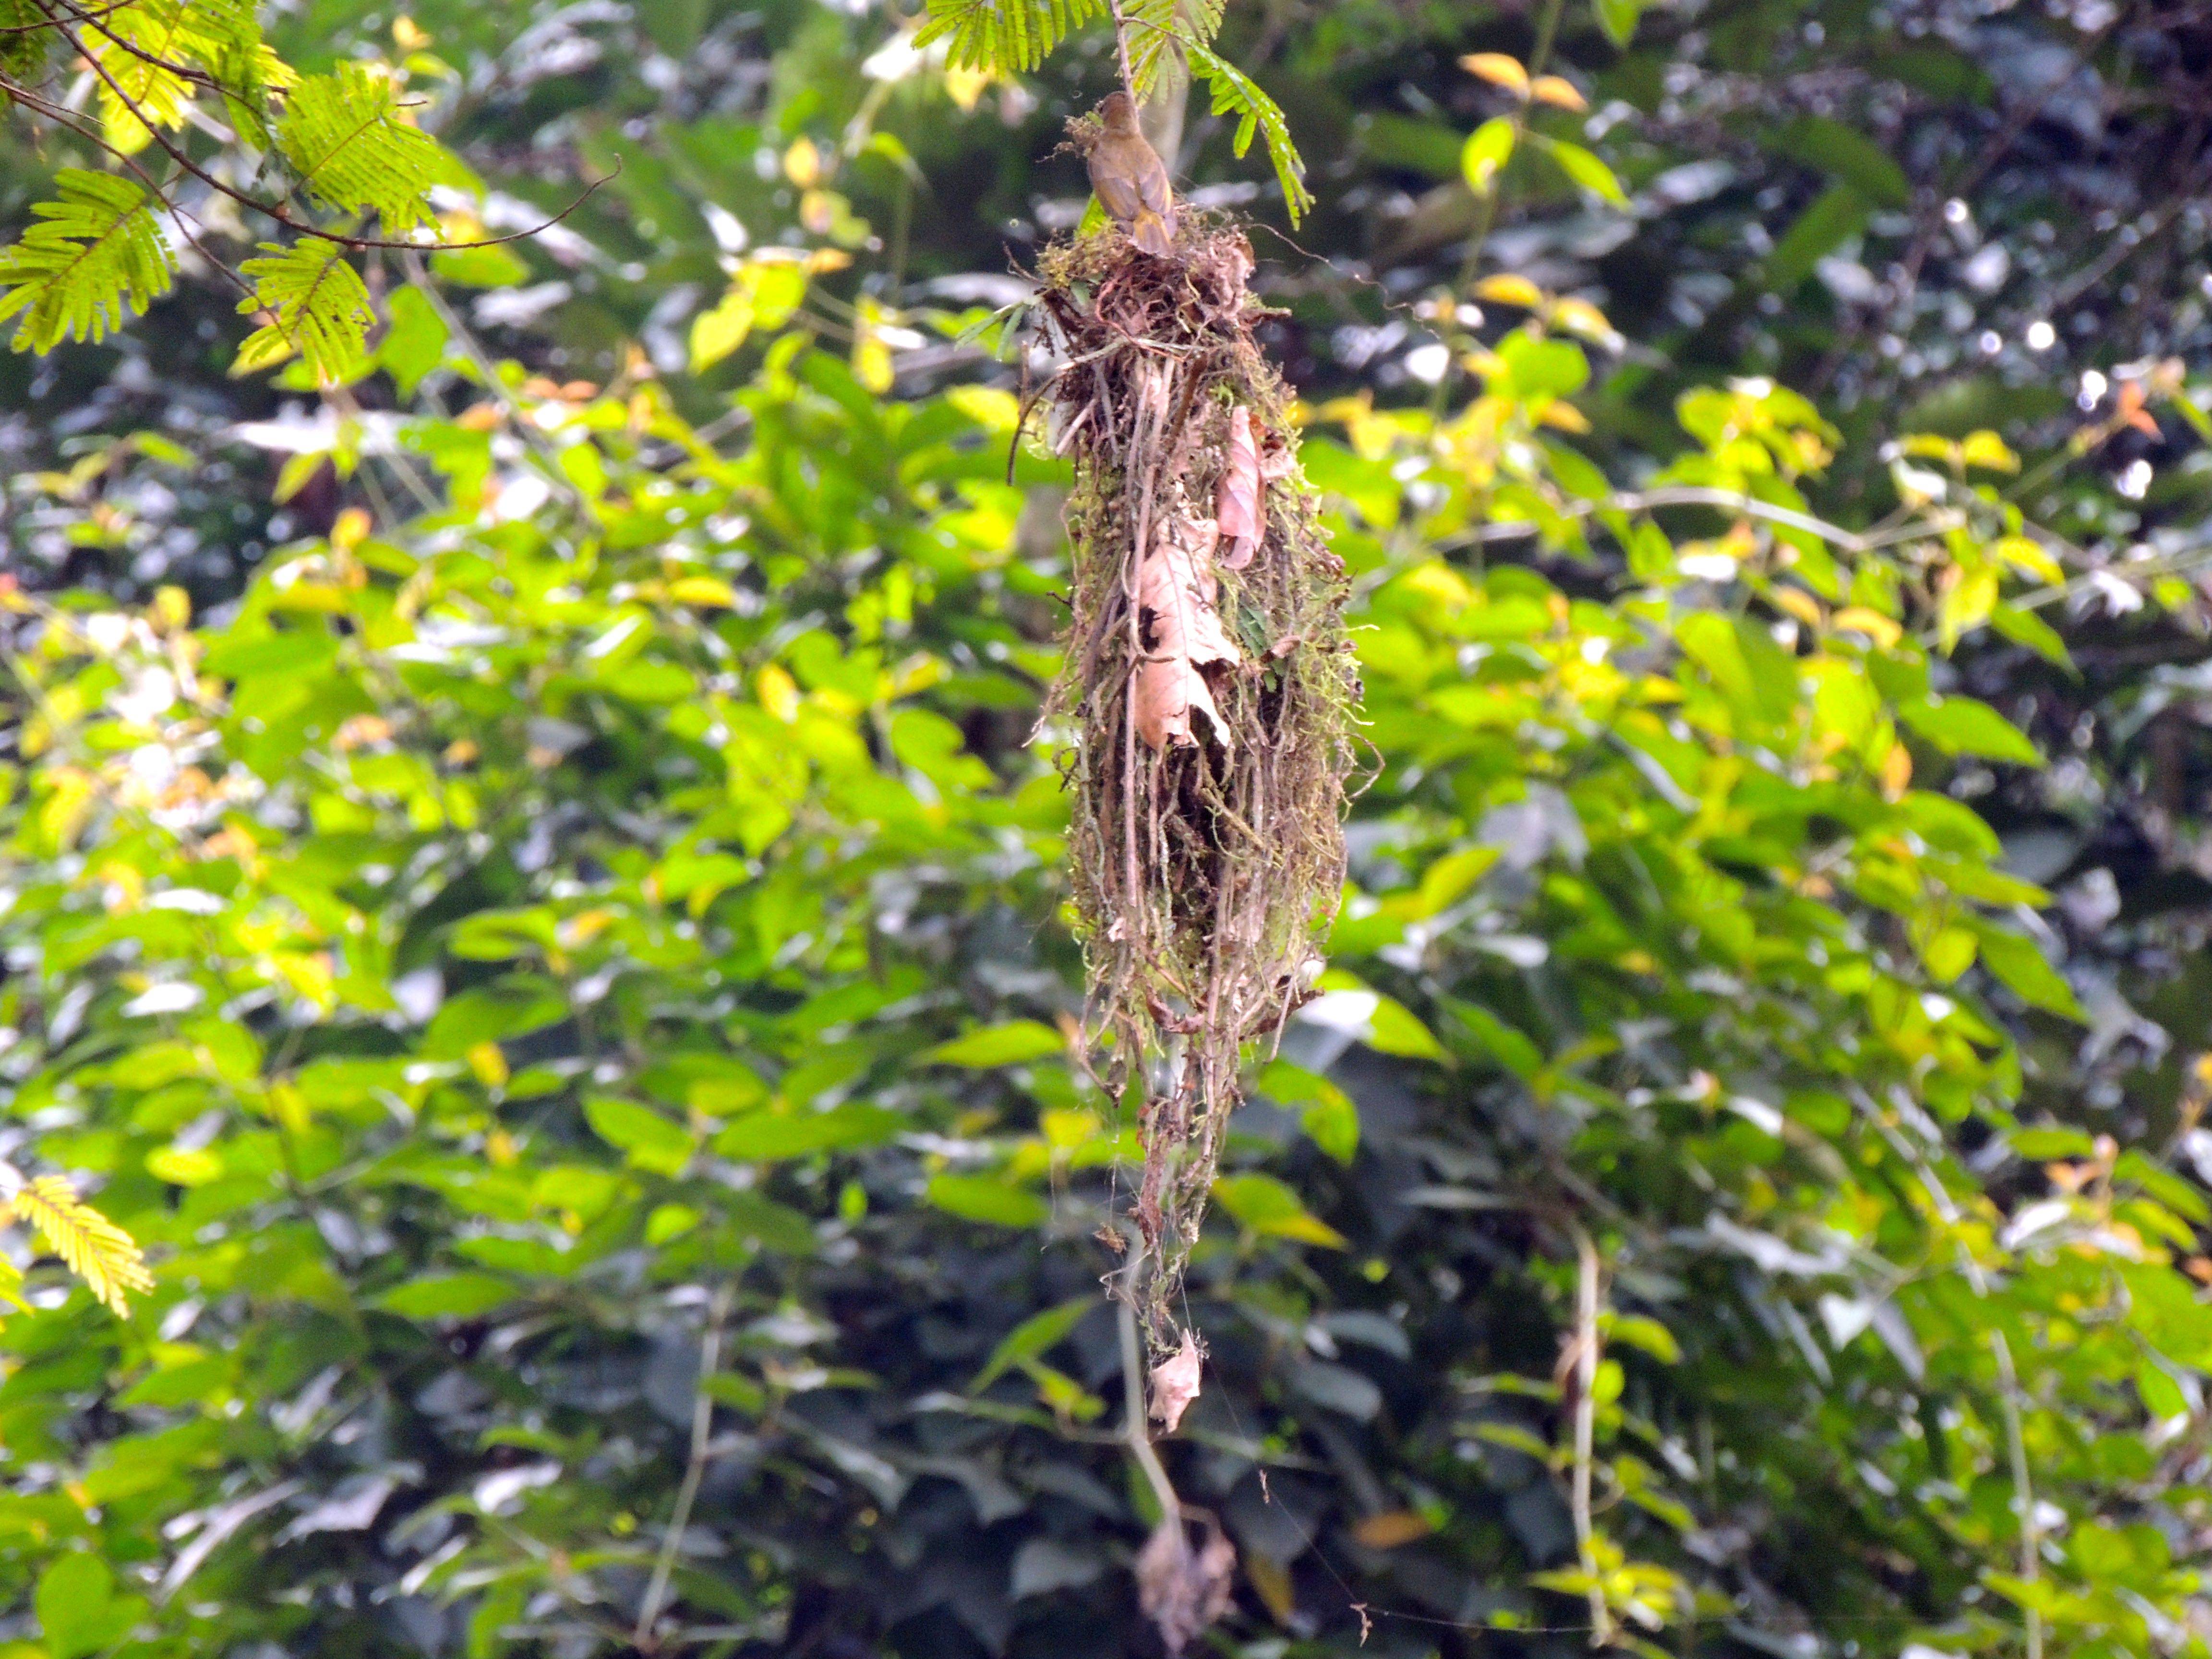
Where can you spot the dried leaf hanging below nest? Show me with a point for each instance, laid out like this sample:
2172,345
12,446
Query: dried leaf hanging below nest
1184,1590
1179,626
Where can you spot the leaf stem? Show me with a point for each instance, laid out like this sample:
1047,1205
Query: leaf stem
1586,1358
694,1471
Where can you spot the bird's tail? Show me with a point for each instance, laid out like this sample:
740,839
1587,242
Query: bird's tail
1151,233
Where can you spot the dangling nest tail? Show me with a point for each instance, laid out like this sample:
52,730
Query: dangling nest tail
1210,686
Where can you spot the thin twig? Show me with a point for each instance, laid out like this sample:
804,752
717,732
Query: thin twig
1852,541
2030,1531
1586,1356
694,1470
1136,1430
1122,45
270,210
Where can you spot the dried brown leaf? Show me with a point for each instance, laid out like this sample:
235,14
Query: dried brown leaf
1183,1590
1175,1384
1237,508
1390,1529
1181,635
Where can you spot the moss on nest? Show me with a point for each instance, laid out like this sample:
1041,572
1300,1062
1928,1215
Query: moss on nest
1207,848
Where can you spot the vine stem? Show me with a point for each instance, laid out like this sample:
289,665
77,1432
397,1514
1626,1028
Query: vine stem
1121,46
1547,30
1751,507
1136,1429
2030,1531
2009,1389
1586,1358
694,1471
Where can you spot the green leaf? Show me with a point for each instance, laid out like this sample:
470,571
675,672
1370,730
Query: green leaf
765,1221
649,1140
1849,156
1269,1208
762,295
980,1198
492,1013
348,148
1236,93
1329,1118
2018,964
765,1135
97,256
1511,1048
1618,19
1031,1338
1950,954
1400,141
670,1221
414,340
1709,641
1008,36
1010,1044
1156,28
1542,368
1587,170
1448,879
318,308
448,1296
1395,1028
2161,1395
24,42
1488,149
77,1607
2040,1146
1641,1332
1838,214
1963,726
2024,627
188,1383
494,266
1332,1124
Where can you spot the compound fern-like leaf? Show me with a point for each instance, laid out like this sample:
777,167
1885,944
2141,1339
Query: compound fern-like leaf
97,1250
344,138
145,51
97,256
317,306
1235,93
25,33
1155,27
1006,36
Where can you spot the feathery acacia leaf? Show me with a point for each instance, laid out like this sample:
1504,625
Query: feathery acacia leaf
243,64
1157,26
342,135
1004,36
23,44
97,256
1235,93
97,1250
142,50
320,310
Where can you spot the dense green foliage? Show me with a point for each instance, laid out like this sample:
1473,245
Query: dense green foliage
560,963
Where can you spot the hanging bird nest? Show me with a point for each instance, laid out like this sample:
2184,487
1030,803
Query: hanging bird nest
1210,686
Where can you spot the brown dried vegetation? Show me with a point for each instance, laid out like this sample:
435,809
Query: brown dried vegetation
1210,687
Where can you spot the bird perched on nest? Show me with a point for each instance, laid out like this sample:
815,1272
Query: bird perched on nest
1130,179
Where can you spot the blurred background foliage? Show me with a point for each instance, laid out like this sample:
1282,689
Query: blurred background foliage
532,894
